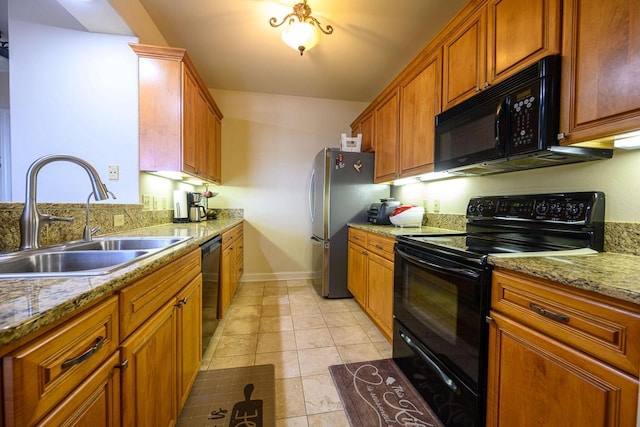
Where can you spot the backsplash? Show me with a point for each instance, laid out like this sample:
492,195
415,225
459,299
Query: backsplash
619,237
100,214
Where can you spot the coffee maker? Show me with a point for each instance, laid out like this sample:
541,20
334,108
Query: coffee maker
197,212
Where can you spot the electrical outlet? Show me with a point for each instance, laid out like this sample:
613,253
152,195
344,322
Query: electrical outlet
425,205
436,205
118,220
114,172
146,202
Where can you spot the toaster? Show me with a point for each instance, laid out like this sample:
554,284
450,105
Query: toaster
378,213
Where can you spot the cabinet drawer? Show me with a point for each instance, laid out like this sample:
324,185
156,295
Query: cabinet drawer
143,298
231,236
42,373
606,329
358,237
382,246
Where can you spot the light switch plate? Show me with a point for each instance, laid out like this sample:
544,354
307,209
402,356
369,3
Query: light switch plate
147,201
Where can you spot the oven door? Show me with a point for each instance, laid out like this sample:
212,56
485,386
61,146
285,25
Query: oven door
443,303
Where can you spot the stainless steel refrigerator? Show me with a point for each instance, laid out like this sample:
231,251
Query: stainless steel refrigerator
340,191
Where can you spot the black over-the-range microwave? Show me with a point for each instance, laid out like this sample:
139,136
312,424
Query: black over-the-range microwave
510,126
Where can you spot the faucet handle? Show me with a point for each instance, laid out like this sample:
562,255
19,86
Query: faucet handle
46,218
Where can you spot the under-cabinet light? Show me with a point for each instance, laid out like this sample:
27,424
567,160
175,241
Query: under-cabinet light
629,141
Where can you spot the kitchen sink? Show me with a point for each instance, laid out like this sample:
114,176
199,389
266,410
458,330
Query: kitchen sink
126,243
96,257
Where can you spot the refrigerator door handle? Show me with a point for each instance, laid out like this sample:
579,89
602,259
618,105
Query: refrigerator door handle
317,239
311,198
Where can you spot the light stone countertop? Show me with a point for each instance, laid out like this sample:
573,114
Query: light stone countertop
607,273
29,304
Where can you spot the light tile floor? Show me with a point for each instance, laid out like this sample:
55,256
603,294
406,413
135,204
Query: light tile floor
286,323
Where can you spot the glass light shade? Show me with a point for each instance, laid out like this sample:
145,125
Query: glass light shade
301,34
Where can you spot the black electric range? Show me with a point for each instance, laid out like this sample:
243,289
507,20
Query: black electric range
442,290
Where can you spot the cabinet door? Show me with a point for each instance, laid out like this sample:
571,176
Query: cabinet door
365,127
239,260
380,292
357,273
189,337
149,383
386,139
600,90
227,273
464,60
214,146
95,403
419,104
190,101
520,33
533,378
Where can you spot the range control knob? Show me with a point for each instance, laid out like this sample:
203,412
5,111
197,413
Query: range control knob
542,208
480,208
556,208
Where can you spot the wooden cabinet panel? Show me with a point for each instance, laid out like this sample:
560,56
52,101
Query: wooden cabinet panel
381,245
365,127
520,33
601,47
532,376
606,330
386,139
143,298
420,97
189,337
464,60
380,292
149,382
40,375
357,273
95,403
176,133
231,266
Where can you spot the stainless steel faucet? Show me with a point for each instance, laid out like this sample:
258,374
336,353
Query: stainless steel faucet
31,218
88,230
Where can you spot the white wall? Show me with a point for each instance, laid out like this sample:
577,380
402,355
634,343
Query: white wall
75,93
268,145
618,178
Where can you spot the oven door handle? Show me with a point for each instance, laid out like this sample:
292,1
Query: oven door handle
462,271
435,368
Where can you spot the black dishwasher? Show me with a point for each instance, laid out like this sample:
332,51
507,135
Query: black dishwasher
210,286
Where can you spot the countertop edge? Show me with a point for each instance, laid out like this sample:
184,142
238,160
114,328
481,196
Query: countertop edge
606,273
94,288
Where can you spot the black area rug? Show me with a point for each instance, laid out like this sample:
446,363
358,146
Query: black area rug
377,393
232,397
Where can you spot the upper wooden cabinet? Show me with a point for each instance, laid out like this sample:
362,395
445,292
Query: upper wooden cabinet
179,120
419,104
496,41
464,57
386,135
364,125
601,70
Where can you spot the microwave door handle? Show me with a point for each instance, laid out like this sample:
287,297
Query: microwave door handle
462,271
501,113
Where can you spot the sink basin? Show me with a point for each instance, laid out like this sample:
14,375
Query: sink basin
67,263
126,243
99,256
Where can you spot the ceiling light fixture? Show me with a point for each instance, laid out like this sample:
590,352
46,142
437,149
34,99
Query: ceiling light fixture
302,34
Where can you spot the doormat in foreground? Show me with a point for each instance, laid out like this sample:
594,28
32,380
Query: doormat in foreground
232,397
377,393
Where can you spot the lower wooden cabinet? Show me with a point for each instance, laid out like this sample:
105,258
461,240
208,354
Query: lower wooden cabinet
149,382
370,276
40,375
129,360
231,266
546,356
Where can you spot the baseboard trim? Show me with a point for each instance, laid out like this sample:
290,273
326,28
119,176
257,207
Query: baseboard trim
264,277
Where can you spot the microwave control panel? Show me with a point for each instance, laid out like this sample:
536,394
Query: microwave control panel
524,115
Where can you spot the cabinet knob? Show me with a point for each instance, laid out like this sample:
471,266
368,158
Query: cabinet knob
182,302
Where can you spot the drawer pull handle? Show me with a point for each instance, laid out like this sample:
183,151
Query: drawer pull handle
123,366
549,314
84,356
379,246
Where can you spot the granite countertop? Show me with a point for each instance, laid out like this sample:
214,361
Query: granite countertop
28,304
606,273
